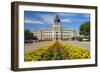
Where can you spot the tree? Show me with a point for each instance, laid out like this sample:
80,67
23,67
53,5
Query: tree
34,37
85,29
29,35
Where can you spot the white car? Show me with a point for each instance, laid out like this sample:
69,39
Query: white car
84,39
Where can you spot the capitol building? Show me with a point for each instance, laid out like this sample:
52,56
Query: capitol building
56,32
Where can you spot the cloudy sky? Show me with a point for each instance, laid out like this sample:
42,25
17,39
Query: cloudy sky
34,20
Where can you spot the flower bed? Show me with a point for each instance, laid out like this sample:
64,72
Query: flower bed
58,51
76,52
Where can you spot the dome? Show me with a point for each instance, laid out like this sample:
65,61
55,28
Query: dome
56,19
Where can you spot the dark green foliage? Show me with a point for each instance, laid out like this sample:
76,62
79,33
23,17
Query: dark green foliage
85,29
29,35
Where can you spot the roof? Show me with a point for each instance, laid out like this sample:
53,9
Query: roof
57,19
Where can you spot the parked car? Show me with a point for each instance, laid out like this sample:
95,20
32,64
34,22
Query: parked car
35,40
28,41
84,39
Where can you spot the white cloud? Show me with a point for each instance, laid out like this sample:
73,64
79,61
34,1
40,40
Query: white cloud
66,20
33,21
81,20
47,18
66,14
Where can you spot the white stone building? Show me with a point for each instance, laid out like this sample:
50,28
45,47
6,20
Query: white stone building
56,32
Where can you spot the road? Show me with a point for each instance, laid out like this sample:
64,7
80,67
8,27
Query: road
30,47
79,44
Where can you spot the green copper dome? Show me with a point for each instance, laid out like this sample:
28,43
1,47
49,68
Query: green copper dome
57,19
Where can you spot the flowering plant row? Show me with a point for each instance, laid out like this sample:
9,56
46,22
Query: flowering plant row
58,51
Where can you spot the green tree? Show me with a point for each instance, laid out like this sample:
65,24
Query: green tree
33,36
85,29
29,35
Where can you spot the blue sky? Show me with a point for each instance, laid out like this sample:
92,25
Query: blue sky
34,20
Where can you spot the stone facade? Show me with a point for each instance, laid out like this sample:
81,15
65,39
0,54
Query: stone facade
56,32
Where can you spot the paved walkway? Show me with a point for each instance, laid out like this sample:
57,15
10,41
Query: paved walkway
30,47
79,44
